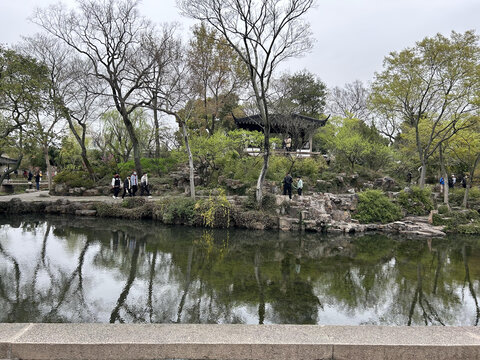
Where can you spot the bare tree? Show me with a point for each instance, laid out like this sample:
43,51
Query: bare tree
164,51
73,92
176,98
350,101
111,35
263,33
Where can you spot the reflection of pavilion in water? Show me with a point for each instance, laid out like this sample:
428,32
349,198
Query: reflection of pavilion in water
115,272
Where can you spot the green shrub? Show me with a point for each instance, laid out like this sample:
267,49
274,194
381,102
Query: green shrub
469,229
309,167
443,209
176,210
133,202
465,221
416,201
375,206
74,178
277,168
114,210
268,201
456,197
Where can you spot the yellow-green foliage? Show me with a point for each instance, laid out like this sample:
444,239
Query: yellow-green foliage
309,167
215,211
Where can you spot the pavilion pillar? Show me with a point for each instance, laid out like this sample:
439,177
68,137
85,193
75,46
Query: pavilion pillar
310,142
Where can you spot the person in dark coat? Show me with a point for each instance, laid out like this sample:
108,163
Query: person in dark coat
37,180
30,177
287,185
450,183
116,184
126,187
409,178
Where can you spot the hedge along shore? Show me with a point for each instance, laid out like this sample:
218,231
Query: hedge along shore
322,212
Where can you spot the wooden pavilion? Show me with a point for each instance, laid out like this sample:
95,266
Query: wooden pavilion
298,128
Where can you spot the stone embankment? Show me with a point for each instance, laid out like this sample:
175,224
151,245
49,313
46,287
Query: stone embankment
326,213
332,213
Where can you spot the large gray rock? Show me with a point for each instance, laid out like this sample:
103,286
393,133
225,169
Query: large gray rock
91,192
61,189
86,212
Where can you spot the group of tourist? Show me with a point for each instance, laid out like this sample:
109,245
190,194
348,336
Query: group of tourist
451,181
288,184
130,185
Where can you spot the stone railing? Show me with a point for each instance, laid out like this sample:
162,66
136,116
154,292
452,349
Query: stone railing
105,341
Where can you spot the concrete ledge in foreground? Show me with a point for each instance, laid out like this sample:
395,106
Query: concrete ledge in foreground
279,342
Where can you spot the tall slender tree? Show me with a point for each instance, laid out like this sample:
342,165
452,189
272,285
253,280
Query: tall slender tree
263,33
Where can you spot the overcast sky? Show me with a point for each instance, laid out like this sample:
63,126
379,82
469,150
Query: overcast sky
352,36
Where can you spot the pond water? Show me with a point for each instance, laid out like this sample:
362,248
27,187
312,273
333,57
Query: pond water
57,269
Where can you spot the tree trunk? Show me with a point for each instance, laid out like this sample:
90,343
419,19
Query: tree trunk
86,162
49,167
423,174
470,183
444,175
12,170
266,154
190,158
157,127
135,145
421,155
263,173
81,142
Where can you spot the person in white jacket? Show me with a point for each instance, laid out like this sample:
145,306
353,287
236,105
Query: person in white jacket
144,188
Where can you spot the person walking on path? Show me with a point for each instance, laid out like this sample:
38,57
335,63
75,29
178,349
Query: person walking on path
454,180
299,186
134,182
144,189
442,184
464,181
30,177
116,183
37,180
287,185
126,187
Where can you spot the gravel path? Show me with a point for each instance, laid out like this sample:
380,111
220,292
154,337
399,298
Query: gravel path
44,196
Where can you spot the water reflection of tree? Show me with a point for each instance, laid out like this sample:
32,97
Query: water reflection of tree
185,275
29,303
123,295
470,283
